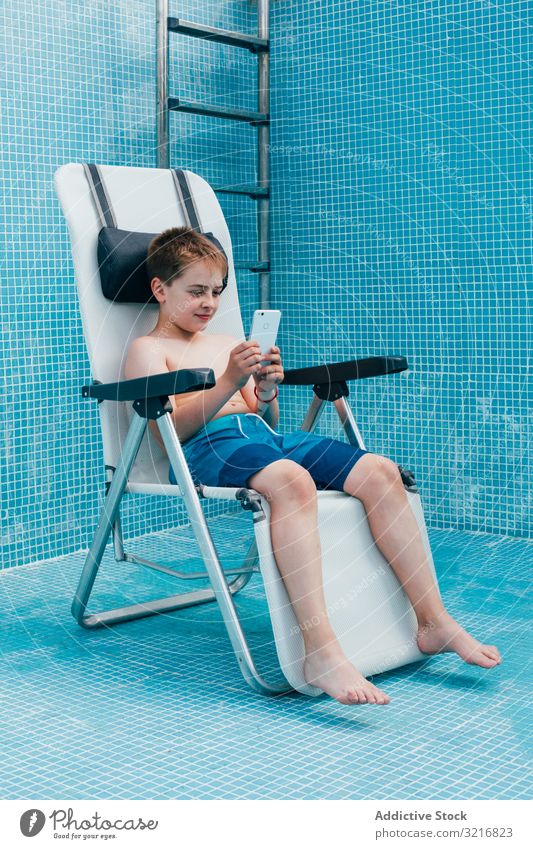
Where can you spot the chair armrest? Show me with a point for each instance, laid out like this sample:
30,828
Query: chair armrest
349,370
155,386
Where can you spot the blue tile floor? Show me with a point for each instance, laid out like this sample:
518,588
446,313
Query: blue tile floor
157,709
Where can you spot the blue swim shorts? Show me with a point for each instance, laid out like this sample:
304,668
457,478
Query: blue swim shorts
227,451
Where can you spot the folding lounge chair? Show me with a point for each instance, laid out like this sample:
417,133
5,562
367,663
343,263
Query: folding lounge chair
370,612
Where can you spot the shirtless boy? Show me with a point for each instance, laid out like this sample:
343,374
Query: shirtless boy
187,273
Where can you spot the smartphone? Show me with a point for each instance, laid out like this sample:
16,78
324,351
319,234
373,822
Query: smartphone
264,330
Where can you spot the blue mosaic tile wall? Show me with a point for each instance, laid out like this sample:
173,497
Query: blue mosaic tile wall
401,155
79,85
401,140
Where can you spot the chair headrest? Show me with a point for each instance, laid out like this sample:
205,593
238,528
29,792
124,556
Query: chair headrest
122,258
122,254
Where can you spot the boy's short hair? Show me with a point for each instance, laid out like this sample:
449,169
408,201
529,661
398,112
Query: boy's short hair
173,251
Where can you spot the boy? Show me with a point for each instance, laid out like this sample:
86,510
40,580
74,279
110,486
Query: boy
228,437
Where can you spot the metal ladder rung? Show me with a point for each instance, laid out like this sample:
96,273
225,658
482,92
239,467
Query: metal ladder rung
175,104
222,36
251,191
255,267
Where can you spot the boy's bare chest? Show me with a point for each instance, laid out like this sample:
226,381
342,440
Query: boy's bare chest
208,353
205,354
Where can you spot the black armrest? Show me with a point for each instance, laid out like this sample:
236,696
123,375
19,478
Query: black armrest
155,386
350,370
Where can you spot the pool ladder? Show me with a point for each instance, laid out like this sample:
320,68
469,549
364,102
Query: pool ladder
259,45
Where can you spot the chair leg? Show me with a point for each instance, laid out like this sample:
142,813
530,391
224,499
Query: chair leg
110,517
349,424
220,590
249,566
187,576
212,563
118,542
354,438
316,408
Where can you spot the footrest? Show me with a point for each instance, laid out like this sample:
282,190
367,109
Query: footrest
367,606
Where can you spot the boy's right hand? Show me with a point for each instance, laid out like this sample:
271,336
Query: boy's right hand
244,360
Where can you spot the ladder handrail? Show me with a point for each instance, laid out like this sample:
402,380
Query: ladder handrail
162,83
260,47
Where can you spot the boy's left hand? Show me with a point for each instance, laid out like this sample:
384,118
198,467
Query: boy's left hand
269,376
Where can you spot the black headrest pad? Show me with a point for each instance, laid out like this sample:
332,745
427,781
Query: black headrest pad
122,258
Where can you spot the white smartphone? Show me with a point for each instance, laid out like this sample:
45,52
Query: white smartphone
264,330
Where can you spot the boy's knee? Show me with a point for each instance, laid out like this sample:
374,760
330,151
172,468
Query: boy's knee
383,471
286,479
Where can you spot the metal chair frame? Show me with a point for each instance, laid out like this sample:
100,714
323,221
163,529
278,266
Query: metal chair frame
222,590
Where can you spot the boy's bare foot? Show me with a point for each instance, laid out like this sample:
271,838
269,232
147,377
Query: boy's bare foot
445,634
331,671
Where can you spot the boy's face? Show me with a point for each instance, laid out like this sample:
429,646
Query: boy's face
191,300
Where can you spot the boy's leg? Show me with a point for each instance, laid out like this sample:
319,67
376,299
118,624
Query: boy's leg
291,493
376,481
